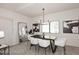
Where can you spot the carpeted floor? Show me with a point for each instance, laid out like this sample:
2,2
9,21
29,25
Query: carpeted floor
24,49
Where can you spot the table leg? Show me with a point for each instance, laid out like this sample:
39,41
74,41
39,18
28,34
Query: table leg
53,47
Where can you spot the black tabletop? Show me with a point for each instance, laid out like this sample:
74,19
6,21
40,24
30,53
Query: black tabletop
41,37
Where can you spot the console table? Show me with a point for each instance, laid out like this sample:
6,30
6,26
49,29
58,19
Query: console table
4,48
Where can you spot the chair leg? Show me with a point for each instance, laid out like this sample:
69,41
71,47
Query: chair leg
38,49
35,49
49,47
64,50
27,42
30,46
45,51
4,51
8,50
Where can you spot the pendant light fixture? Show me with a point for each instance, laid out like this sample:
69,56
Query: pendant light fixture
43,20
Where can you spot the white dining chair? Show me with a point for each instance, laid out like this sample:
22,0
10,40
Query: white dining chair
61,42
29,36
43,44
46,36
34,42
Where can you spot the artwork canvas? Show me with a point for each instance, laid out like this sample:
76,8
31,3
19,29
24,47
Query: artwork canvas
71,26
36,27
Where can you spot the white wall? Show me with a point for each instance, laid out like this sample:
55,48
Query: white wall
72,39
9,23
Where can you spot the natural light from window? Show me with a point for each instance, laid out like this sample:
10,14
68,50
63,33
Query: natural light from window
45,27
54,27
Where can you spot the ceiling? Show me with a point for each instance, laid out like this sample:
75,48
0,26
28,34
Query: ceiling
35,9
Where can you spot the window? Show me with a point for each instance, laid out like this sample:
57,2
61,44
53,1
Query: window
45,27
54,27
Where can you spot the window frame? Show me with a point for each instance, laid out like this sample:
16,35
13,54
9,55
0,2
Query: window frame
58,26
49,23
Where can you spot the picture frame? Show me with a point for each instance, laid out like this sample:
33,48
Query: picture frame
71,26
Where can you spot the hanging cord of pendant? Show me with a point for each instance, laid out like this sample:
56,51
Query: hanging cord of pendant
43,14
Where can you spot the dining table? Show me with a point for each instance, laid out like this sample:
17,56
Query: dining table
52,41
